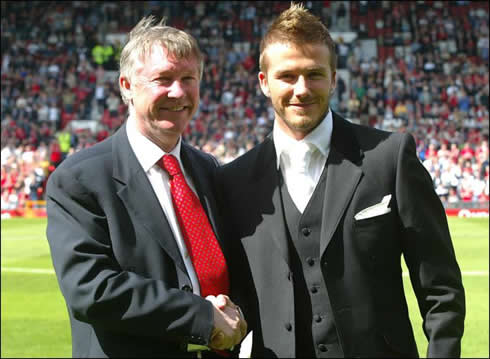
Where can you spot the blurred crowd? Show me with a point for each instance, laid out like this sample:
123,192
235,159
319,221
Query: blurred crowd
427,74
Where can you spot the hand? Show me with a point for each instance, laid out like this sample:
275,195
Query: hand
229,325
221,301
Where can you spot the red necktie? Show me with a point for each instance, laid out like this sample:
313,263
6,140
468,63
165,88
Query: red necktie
204,249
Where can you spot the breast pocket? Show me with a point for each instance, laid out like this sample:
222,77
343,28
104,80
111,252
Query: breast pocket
376,238
374,227
373,221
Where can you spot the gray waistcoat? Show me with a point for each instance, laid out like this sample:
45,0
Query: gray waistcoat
316,334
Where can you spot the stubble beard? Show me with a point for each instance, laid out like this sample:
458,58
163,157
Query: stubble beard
303,124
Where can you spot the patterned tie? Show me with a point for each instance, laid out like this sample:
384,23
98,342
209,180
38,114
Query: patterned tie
204,250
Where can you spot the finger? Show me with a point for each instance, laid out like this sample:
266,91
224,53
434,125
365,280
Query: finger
217,342
224,300
231,313
218,337
243,327
243,333
224,342
218,303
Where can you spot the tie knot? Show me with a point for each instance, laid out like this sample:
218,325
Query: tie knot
170,164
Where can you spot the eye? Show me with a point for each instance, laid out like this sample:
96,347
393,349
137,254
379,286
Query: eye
188,79
286,77
162,80
316,75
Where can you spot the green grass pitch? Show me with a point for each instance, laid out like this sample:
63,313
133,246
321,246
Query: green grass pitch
34,321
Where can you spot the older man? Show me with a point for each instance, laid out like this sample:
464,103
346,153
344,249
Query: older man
131,225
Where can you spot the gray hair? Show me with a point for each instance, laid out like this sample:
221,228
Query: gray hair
144,35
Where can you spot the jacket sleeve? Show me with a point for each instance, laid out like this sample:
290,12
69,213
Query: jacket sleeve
429,255
96,289
242,290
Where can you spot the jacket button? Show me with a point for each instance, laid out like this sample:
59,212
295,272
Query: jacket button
313,290
310,261
288,327
317,318
186,288
322,348
306,231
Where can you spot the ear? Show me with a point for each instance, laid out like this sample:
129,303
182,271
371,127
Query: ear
263,84
124,85
334,82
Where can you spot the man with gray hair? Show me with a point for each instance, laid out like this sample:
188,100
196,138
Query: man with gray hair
131,221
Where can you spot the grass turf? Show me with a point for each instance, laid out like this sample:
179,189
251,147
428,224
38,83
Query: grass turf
34,321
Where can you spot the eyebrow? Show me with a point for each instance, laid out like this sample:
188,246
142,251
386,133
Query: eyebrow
320,69
169,73
311,69
162,73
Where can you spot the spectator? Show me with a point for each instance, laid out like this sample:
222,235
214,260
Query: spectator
467,151
113,102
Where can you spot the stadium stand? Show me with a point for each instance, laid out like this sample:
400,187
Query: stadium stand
420,67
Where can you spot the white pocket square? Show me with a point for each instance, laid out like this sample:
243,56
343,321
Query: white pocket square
375,210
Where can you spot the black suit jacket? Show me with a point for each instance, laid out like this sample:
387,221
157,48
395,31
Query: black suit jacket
118,265
360,259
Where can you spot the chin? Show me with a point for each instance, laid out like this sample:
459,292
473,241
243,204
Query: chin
304,124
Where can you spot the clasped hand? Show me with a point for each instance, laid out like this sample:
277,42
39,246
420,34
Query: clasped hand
229,325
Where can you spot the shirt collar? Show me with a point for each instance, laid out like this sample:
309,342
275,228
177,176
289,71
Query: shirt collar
146,151
318,139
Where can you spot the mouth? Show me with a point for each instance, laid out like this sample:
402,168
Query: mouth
301,105
174,109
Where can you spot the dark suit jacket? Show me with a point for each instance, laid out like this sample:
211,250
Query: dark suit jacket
360,260
117,262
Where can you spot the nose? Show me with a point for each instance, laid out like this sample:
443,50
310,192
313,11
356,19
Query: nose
176,90
301,87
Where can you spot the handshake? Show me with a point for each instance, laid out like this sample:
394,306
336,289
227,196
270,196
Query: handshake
229,325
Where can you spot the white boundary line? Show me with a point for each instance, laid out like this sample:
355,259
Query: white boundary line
51,271
28,270
467,273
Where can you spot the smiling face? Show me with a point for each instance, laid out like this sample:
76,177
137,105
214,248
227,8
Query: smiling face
299,82
164,94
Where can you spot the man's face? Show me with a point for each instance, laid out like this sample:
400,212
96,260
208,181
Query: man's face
299,81
164,96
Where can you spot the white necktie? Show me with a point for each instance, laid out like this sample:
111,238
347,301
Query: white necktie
299,182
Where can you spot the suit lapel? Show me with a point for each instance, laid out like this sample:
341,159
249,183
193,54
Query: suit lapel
135,191
343,175
266,189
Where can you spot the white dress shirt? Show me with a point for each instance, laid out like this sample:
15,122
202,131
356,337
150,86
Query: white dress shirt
302,162
148,154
